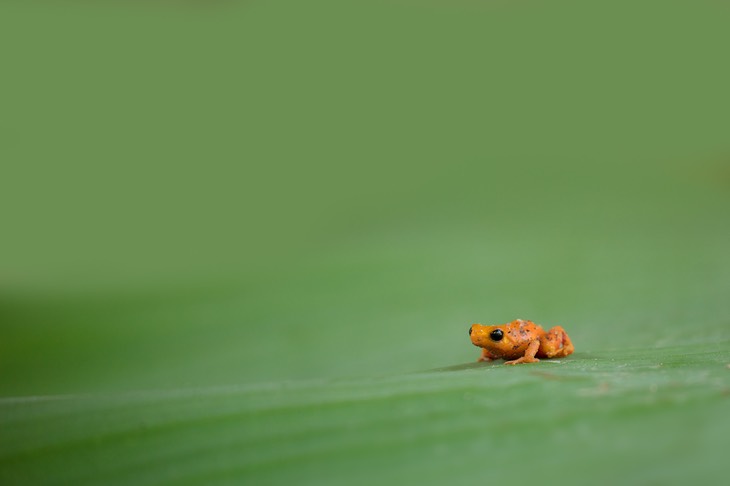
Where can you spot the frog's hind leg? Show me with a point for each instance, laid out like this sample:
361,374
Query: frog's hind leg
556,343
529,356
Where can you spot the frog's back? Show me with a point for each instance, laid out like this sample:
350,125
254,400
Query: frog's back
521,330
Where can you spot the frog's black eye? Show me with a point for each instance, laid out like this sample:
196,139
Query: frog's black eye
470,330
496,335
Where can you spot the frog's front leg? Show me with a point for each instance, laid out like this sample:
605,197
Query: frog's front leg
529,356
485,356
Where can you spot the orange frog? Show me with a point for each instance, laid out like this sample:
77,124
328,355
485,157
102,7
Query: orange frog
520,342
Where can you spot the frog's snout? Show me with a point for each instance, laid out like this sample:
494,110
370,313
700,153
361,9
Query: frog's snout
476,334
479,334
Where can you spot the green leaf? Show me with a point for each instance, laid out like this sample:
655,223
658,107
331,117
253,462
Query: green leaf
242,242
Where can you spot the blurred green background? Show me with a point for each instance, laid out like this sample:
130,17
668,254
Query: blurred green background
242,241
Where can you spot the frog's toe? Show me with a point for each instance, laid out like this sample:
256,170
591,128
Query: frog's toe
522,360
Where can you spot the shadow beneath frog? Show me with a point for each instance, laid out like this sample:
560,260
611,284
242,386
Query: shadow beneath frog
466,366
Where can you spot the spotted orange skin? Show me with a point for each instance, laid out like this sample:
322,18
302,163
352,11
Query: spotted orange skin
522,342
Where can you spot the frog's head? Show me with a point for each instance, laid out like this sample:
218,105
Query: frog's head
494,338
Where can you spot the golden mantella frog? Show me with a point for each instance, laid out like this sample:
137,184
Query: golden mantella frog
520,342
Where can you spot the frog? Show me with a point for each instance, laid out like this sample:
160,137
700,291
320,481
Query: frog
520,341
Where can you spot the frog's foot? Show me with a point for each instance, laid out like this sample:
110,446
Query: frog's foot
529,356
522,360
485,356
557,343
